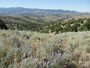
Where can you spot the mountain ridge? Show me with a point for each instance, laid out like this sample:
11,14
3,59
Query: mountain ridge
41,13
34,9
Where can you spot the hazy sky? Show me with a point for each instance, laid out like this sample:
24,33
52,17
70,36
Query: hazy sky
78,5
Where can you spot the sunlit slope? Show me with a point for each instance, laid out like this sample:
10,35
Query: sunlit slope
32,49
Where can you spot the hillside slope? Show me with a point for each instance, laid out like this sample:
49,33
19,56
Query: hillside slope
72,24
31,49
21,22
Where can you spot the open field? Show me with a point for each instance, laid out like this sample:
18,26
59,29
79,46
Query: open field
26,49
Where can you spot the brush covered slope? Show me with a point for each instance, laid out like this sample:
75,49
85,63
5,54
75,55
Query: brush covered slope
72,24
26,49
15,22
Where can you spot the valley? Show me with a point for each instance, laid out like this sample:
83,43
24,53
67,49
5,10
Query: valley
41,38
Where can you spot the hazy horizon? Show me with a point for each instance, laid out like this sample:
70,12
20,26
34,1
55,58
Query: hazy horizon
72,5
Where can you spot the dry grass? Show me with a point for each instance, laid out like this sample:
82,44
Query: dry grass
71,44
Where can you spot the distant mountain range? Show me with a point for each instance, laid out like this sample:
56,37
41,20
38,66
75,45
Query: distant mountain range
16,10
45,14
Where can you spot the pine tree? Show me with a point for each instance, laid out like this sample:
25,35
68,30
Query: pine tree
2,25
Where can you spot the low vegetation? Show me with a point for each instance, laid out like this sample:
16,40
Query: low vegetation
26,49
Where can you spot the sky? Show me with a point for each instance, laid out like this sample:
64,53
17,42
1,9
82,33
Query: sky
77,5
